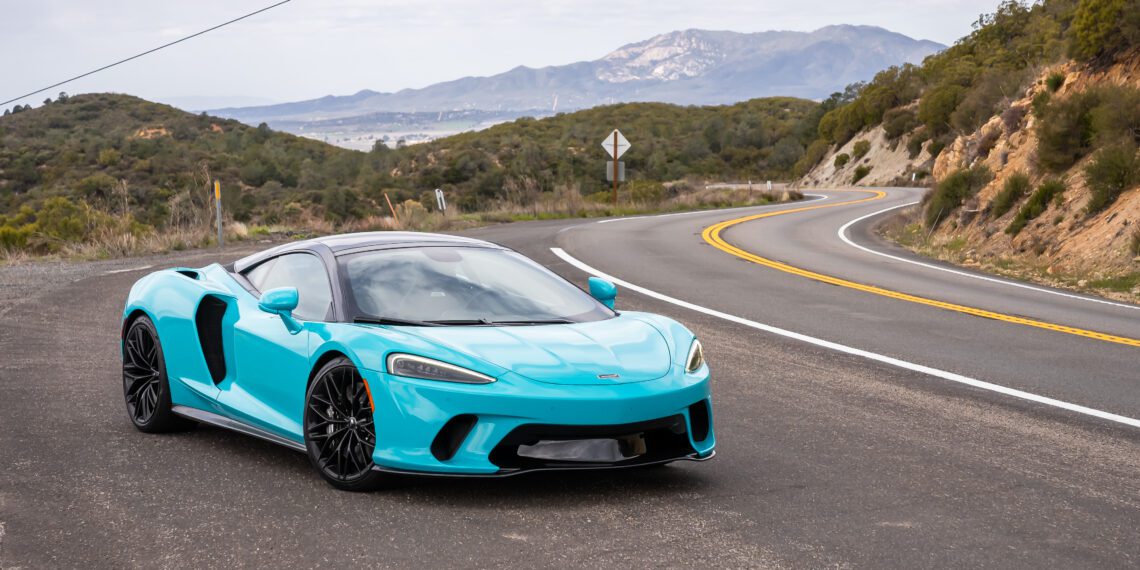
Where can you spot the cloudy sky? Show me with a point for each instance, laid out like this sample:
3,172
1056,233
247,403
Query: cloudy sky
310,48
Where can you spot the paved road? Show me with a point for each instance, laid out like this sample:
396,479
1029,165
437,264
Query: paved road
825,458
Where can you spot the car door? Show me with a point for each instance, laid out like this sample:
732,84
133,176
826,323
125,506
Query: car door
272,363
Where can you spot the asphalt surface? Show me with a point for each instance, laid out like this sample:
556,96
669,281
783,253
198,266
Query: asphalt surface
825,459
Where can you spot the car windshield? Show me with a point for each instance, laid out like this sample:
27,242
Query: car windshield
461,286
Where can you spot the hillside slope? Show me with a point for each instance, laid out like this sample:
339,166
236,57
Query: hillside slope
1030,128
1064,237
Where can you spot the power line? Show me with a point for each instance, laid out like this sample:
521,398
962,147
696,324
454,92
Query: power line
150,51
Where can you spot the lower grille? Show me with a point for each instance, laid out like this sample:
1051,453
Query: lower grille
536,446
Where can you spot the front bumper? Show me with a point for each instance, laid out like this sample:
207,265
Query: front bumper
441,428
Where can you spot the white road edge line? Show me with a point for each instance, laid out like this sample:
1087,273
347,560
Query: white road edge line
129,269
818,198
843,236
951,376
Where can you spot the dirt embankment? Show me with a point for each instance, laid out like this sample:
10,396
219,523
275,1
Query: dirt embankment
889,161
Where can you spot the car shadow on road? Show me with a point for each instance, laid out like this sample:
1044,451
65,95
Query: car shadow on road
548,487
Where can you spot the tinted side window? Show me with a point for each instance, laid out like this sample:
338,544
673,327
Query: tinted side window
306,273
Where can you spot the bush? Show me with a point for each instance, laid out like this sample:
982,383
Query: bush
814,153
1135,245
1037,204
861,172
841,160
1065,132
937,105
1113,170
1055,81
953,191
898,122
860,149
1015,188
914,145
1011,119
1103,27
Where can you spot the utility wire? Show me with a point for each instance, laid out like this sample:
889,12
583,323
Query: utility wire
150,51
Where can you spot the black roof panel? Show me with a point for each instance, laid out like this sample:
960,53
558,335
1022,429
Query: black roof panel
360,241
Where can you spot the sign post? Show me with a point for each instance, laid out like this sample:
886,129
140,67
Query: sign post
616,145
440,200
218,211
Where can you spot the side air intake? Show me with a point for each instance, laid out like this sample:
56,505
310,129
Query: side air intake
209,321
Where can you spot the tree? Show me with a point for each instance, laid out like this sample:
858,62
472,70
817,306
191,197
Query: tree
1102,27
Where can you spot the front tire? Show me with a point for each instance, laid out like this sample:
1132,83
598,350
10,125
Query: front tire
340,435
145,385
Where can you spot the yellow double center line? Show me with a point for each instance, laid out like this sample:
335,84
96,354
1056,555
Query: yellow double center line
712,235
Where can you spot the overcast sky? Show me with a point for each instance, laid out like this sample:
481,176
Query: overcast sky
309,48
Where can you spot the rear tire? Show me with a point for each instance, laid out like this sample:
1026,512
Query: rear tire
146,389
340,435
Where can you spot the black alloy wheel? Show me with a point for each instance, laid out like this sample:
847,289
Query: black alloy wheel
340,435
145,386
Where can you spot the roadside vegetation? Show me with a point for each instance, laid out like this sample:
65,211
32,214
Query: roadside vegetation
962,87
135,175
1015,188
1049,190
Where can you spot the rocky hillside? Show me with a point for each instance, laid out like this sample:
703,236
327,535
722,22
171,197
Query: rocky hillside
1027,132
1070,234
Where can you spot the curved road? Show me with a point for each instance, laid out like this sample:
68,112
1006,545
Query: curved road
847,436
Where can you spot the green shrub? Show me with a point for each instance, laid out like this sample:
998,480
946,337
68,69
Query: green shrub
914,145
1064,131
1015,188
1116,117
953,191
937,105
1134,247
1055,81
936,147
1103,27
1113,170
898,122
841,160
1040,103
1037,204
814,153
861,172
860,149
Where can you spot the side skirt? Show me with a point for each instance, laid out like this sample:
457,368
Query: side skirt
234,425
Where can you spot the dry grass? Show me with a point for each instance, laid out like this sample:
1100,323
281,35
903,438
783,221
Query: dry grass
564,202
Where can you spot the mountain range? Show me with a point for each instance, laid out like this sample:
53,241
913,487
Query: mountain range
690,67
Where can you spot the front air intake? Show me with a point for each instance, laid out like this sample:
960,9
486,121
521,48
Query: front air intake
448,440
699,420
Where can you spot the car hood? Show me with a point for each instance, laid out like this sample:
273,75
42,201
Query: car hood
581,353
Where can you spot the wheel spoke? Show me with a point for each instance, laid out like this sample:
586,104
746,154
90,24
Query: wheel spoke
340,425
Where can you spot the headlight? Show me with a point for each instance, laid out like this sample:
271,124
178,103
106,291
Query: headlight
413,366
696,357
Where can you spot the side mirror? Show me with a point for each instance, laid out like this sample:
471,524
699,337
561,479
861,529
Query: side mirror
282,301
279,300
603,291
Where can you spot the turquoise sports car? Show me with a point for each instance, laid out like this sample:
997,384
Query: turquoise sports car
411,353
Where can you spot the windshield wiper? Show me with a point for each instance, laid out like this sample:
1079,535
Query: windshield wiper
535,322
461,322
392,321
